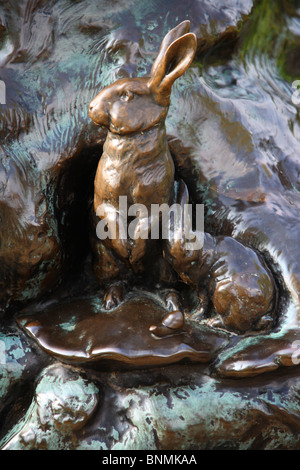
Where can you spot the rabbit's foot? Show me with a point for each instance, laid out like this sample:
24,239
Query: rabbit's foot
113,296
216,322
173,302
171,324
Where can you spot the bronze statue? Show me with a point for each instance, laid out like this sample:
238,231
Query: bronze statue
136,159
213,363
137,163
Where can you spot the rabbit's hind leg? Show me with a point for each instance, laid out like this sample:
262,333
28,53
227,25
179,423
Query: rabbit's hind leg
113,295
110,272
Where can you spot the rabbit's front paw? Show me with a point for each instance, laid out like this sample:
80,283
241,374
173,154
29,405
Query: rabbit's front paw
113,296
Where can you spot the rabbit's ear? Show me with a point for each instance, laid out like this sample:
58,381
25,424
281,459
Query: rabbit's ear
172,35
173,63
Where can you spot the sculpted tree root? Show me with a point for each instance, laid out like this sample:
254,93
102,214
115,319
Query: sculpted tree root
62,404
254,356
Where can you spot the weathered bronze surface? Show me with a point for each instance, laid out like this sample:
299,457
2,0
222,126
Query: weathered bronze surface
232,131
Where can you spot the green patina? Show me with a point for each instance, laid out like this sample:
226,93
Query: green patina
69,325
12,351
267,35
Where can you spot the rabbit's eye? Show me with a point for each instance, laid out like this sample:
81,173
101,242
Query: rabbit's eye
127,95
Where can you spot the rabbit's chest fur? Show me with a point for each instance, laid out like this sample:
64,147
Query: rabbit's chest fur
139,167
